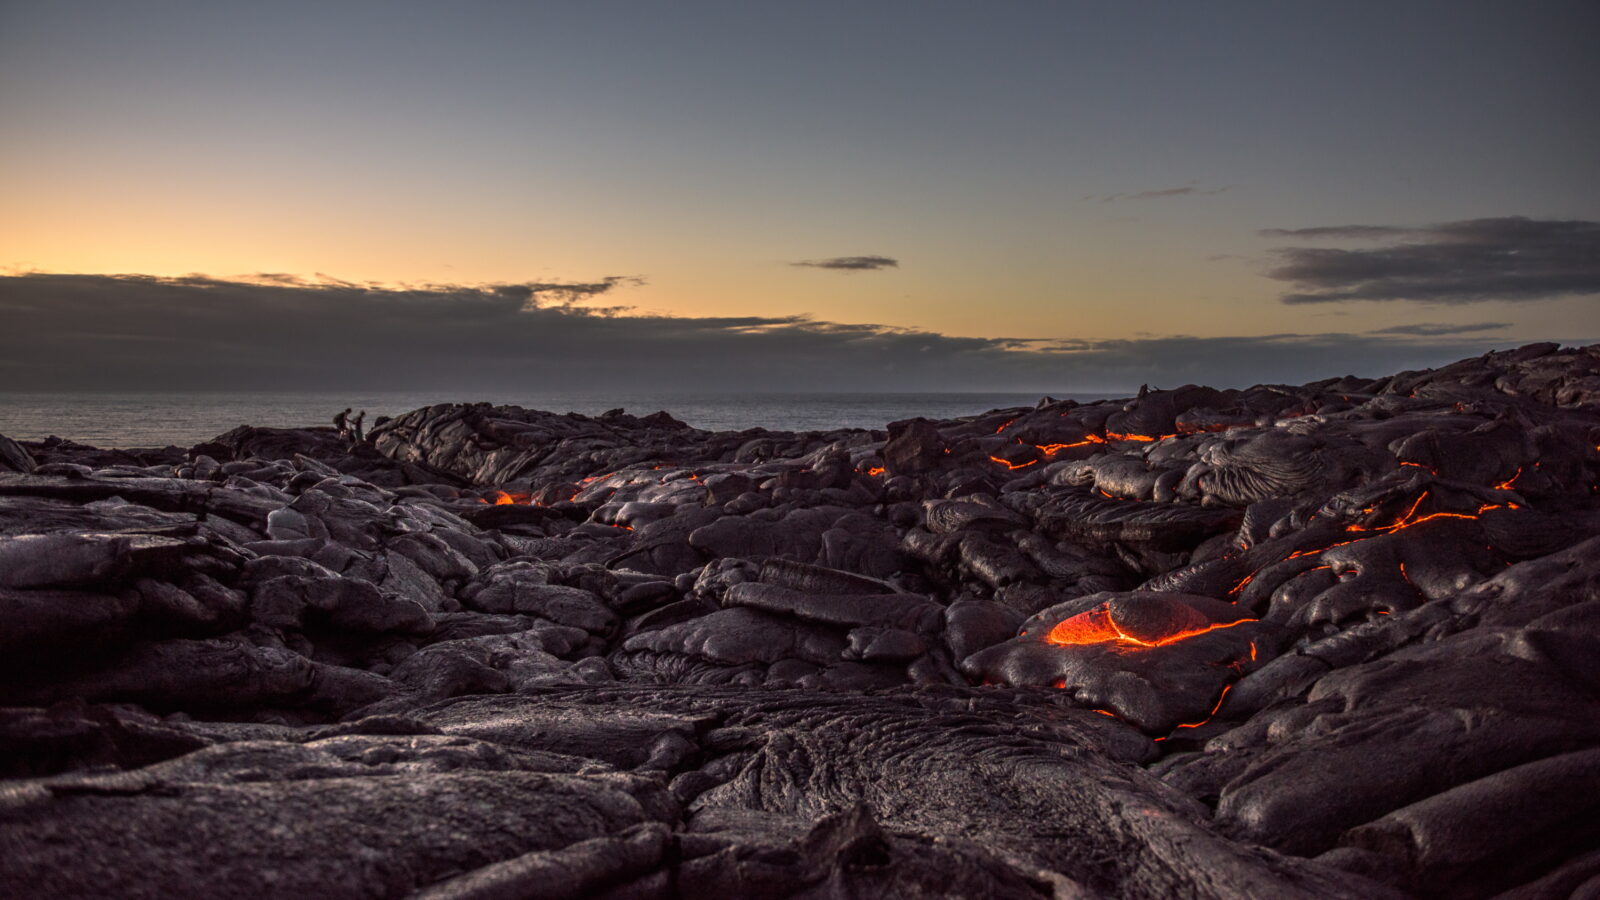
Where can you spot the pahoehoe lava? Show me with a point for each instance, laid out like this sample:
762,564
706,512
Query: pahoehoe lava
1331,640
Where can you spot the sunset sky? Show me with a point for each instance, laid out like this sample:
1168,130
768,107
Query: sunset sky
1138,191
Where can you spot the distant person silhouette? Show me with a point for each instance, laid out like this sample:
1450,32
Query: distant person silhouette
356,423
342,422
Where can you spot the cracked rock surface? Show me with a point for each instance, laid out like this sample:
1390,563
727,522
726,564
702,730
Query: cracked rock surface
1339,639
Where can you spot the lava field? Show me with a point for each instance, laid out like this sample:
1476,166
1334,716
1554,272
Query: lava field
1332,640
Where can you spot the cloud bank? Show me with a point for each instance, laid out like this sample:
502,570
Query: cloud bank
129,333
1507,258
851,263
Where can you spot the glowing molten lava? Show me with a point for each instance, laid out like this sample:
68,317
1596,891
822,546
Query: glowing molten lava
1507,484
1411,518
1145,438
875,471
1096,626
1299,553
1209,716
1013,466
501,498
1053,449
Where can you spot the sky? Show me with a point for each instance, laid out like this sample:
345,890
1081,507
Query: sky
1054,196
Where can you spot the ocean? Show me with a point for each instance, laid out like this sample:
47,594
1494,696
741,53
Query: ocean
184,419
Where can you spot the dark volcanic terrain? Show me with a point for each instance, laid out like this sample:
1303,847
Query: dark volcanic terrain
1331,640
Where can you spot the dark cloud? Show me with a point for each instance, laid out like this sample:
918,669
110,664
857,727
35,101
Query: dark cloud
1186,191
1435,329
851,263
98,332
1509,258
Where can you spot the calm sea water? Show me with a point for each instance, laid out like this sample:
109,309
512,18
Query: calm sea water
159,419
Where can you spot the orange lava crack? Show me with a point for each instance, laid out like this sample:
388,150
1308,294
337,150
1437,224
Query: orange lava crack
1053,449
1013,466
1209,716
1411,518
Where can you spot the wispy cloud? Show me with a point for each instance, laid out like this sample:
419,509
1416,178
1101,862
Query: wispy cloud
1436,329
1345,232
851,263
129,332
1507,258
1158,194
